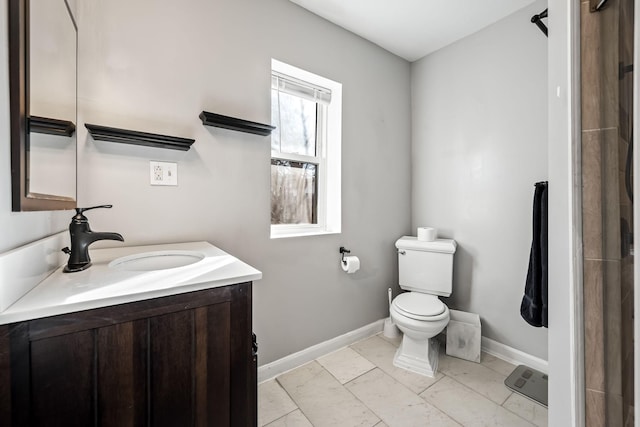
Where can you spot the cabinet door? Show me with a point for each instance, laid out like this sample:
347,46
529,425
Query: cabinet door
177,367
62,379
5,376
121,374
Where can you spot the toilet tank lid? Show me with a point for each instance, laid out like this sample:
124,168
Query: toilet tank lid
446,246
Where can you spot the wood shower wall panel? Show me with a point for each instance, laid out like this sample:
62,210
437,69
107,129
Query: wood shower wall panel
606,111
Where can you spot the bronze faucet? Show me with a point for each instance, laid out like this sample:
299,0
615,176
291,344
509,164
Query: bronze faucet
81,238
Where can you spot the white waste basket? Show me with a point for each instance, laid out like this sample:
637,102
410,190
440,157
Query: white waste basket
464,336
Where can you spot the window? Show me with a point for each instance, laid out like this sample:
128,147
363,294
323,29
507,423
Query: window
306,110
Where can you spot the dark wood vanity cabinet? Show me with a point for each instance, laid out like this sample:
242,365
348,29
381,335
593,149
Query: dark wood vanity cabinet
181,360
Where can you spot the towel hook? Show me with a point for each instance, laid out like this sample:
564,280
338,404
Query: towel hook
536,19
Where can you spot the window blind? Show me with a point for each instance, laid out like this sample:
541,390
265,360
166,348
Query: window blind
293,86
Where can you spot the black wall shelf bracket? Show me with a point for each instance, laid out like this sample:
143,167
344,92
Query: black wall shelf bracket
104,133
226,122
50,126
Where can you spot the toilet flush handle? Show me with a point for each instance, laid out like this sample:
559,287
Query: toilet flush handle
401,252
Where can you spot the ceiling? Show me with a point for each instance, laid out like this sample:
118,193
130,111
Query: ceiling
413,28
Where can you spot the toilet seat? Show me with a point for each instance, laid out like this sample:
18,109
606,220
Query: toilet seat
418,306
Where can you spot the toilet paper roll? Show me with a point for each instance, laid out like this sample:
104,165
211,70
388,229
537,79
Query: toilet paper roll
427,234
351,264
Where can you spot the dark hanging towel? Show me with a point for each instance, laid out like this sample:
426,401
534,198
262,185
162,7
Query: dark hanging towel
534,303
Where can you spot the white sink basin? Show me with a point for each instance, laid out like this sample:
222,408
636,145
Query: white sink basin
159,260
122,275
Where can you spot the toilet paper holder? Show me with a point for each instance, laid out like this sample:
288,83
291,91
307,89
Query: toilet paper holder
343,251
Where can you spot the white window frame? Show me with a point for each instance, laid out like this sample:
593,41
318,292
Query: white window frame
328,158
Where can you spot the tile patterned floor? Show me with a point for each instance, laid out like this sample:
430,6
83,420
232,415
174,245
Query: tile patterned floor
359,386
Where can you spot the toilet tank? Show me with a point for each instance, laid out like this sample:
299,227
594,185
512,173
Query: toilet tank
426,267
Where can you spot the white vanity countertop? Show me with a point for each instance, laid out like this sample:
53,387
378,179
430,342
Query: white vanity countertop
101,285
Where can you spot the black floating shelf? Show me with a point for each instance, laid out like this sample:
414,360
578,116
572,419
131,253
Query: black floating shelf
104,133
226,122
49,126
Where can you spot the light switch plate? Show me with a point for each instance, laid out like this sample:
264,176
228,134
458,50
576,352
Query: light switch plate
163,173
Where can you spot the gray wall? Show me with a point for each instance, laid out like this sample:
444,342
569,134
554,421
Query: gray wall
17,228
377,197
479,126
153,65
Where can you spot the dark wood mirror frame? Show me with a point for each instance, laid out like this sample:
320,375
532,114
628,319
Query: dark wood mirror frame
21,198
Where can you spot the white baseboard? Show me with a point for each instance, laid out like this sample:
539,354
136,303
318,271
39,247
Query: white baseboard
511,355
292,361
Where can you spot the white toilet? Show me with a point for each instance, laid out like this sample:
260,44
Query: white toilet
426,271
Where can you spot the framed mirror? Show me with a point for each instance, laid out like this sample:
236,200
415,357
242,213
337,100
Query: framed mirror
43,104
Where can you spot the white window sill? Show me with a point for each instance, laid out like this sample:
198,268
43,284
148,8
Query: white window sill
300,233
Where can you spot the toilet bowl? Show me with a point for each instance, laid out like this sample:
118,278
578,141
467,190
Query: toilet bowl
420,317
425,272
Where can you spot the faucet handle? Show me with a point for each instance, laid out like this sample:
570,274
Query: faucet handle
80,210
80,217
